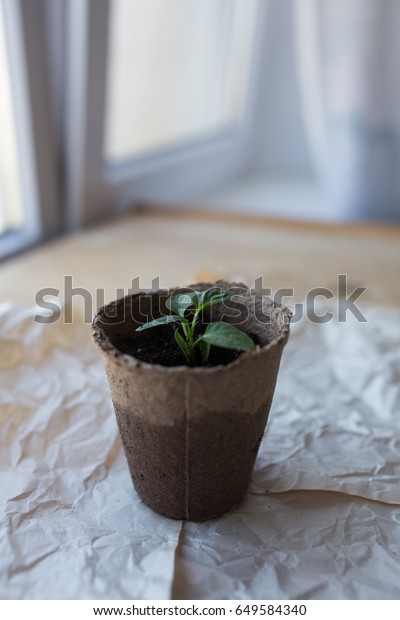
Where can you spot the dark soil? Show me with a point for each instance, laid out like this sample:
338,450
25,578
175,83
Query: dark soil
158,346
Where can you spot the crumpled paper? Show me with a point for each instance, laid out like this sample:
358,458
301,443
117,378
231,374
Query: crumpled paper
321,517
336,422
72,525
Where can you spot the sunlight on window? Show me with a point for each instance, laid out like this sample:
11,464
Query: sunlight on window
10,196
177,71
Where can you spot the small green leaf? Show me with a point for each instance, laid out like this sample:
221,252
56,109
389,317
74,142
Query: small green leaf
228,336
204,296
182,344
205,350
163,320
212,296
180,302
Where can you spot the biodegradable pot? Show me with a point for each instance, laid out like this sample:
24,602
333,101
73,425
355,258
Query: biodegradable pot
191,435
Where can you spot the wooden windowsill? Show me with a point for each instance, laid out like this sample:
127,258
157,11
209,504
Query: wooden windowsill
185,245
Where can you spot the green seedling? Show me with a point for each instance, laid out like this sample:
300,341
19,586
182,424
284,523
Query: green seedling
190,335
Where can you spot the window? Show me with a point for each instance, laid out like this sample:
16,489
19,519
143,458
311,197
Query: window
156,105
10,183
29,199
177,72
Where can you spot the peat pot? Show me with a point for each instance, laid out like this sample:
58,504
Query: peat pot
190,434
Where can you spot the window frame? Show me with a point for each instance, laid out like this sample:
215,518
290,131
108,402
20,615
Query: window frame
27,52
65,181
95,190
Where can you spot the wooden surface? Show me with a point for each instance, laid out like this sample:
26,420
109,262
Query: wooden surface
183,246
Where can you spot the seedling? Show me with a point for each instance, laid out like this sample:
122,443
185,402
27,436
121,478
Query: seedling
186,309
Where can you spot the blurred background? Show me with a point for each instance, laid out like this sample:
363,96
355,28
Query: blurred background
271,107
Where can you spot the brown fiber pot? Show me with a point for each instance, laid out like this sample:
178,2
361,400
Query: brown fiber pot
191,435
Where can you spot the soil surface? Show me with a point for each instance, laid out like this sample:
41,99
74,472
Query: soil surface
158,346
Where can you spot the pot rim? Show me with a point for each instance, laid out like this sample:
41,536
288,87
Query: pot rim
129,361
